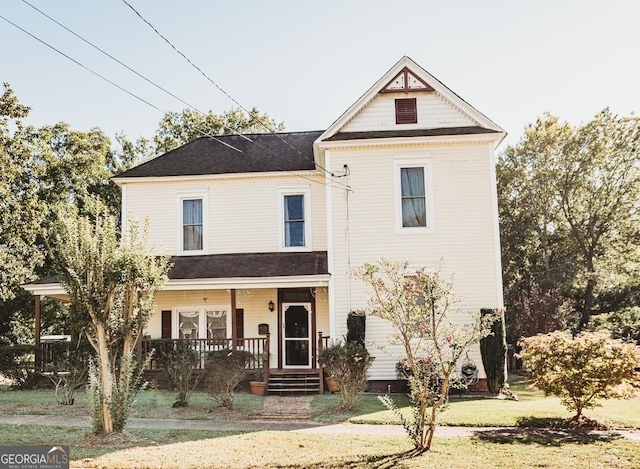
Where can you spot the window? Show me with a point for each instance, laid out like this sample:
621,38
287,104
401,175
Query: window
295,219
414,208
406,111
216,324
192,224
202,322
414,200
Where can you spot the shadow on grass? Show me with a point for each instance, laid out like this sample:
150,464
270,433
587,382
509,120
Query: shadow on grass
550,432
381,461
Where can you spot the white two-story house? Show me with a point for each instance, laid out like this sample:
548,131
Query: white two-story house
265,229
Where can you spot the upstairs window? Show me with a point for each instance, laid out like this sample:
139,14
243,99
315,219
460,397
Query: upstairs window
192,227
293,220
192,223
406,111
413,196
414,207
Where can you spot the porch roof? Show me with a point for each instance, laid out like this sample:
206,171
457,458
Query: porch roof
269,269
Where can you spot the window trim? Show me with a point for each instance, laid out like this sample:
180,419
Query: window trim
193,195
202,319
304,191
425,163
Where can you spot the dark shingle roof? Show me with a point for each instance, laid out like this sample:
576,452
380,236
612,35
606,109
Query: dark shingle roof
292,151
410,133
263,264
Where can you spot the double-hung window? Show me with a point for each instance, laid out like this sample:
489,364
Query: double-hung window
295,219
414,199
202,322
192,226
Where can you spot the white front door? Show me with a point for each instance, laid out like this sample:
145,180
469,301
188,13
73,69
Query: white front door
296,335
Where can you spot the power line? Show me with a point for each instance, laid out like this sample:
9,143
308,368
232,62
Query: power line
202,131
81,65
220,88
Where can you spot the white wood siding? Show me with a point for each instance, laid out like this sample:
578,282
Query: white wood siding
242,212
433,112
464,234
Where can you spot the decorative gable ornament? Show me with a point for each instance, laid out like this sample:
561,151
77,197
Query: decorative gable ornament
406,81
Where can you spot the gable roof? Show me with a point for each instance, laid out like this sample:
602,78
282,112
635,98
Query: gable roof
290,151
397,79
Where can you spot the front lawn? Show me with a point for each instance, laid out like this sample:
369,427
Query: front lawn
195,449
533,408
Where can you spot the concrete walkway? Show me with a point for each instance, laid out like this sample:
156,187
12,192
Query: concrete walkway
303,426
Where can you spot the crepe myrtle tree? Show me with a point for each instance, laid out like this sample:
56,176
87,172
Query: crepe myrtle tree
111,281
417,304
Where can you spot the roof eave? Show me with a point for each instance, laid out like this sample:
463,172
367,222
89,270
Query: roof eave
496,137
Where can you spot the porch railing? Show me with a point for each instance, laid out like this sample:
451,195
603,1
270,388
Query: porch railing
258,348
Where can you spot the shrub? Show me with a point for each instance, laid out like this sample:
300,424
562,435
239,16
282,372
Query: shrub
225,370
68,366
493,349
348,365
356,326
582,369
16,363
180,363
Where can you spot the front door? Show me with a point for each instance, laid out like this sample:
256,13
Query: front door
296,335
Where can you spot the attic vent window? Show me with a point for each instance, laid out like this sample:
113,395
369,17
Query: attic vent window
406,111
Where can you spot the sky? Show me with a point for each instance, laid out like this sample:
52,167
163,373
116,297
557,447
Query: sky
306,62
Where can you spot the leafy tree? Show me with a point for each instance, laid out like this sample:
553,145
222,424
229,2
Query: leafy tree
583,369
111,283
569,199
417,305
542,312
177,128
21,209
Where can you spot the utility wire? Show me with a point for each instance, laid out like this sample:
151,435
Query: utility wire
220,88
81,65
203,132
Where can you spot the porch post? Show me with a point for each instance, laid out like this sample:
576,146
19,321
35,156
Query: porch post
233,319
38,325
320,368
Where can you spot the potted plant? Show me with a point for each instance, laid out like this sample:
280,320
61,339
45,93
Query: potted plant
258,386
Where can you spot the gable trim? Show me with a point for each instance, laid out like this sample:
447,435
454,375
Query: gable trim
439,87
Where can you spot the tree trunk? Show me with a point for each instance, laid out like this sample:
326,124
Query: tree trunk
588,294
106,378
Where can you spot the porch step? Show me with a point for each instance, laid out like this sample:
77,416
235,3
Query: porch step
293,382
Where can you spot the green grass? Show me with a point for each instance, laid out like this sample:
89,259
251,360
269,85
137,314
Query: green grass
194,449
150,403
532,407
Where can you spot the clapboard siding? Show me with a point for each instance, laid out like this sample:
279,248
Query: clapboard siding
433,112
242,212
464,234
